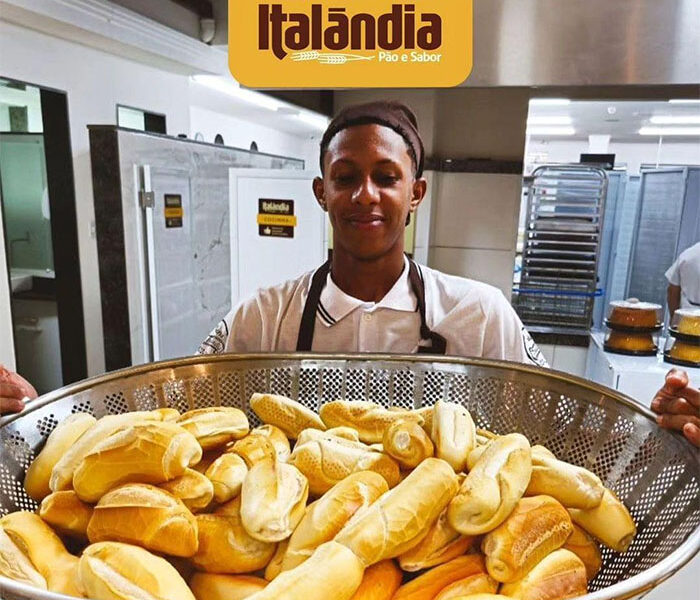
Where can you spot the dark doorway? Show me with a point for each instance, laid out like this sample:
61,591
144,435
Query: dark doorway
41,235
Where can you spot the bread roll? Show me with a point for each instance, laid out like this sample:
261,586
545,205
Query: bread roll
206,460
379,582
573,486
536,527
442,543
193,488
585,547
225,546
116,571
15,565
425,413
328,515
152,452
454,434
288,415
147,516
327,460
332,571
367,418
347,433
254,449
474,584
429,584
45,551
273,500
558,576
62,472
166,414
226,474
66,513
610,522
493,487
36,482
215,426
274,567
215,586
407,443
480,596
278,438
344,434
401,517
475,454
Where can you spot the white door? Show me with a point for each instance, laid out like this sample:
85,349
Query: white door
7,346
173,284
279,228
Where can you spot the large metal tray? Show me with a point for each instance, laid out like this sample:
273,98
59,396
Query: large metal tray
655,472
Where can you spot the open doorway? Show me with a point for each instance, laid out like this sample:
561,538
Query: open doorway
40,232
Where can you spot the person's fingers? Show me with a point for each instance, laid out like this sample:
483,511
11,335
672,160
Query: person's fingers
678,406
11,390
691,394
675,380
677,421
10,405
692,433
27,387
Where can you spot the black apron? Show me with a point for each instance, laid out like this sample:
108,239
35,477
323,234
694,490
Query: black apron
438,344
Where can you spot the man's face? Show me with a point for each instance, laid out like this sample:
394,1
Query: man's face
368,188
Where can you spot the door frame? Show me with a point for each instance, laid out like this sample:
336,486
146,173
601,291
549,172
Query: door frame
58,154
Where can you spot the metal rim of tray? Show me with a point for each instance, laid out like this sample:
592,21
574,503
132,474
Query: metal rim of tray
629,588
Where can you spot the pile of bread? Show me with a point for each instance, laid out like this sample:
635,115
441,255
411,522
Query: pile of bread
366,503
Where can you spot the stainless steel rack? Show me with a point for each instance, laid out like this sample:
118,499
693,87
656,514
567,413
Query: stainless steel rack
563,227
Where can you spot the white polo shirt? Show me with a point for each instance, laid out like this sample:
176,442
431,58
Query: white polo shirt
685,272
474,318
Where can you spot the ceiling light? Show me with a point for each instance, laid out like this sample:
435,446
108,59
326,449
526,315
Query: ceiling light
689,120
231,88
670,131
550,101
551,131
549,120
684,101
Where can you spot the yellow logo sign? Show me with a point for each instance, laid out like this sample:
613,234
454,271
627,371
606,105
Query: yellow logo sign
340,44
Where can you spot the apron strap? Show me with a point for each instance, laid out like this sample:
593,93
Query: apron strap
438,344
308,317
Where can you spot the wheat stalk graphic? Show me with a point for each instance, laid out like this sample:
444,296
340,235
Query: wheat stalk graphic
327,58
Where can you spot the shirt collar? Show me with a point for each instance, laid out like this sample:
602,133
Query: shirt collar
335,304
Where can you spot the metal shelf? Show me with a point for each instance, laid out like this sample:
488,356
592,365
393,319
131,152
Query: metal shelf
561,246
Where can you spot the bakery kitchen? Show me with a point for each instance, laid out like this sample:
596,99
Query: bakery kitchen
401,28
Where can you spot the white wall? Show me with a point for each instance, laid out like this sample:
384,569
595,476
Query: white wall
95,83
632,153
240,133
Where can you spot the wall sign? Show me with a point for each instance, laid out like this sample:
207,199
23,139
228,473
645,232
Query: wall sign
276,218
363,43
173,210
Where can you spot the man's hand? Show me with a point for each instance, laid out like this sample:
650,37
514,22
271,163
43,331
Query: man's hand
14,389
678,406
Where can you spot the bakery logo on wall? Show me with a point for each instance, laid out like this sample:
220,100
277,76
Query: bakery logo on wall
276,218
364,43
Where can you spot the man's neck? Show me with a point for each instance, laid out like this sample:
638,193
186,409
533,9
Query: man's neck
367,280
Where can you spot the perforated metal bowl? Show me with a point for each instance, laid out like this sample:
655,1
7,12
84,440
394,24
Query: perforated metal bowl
655,472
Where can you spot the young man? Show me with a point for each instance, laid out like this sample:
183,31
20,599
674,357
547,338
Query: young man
370,297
